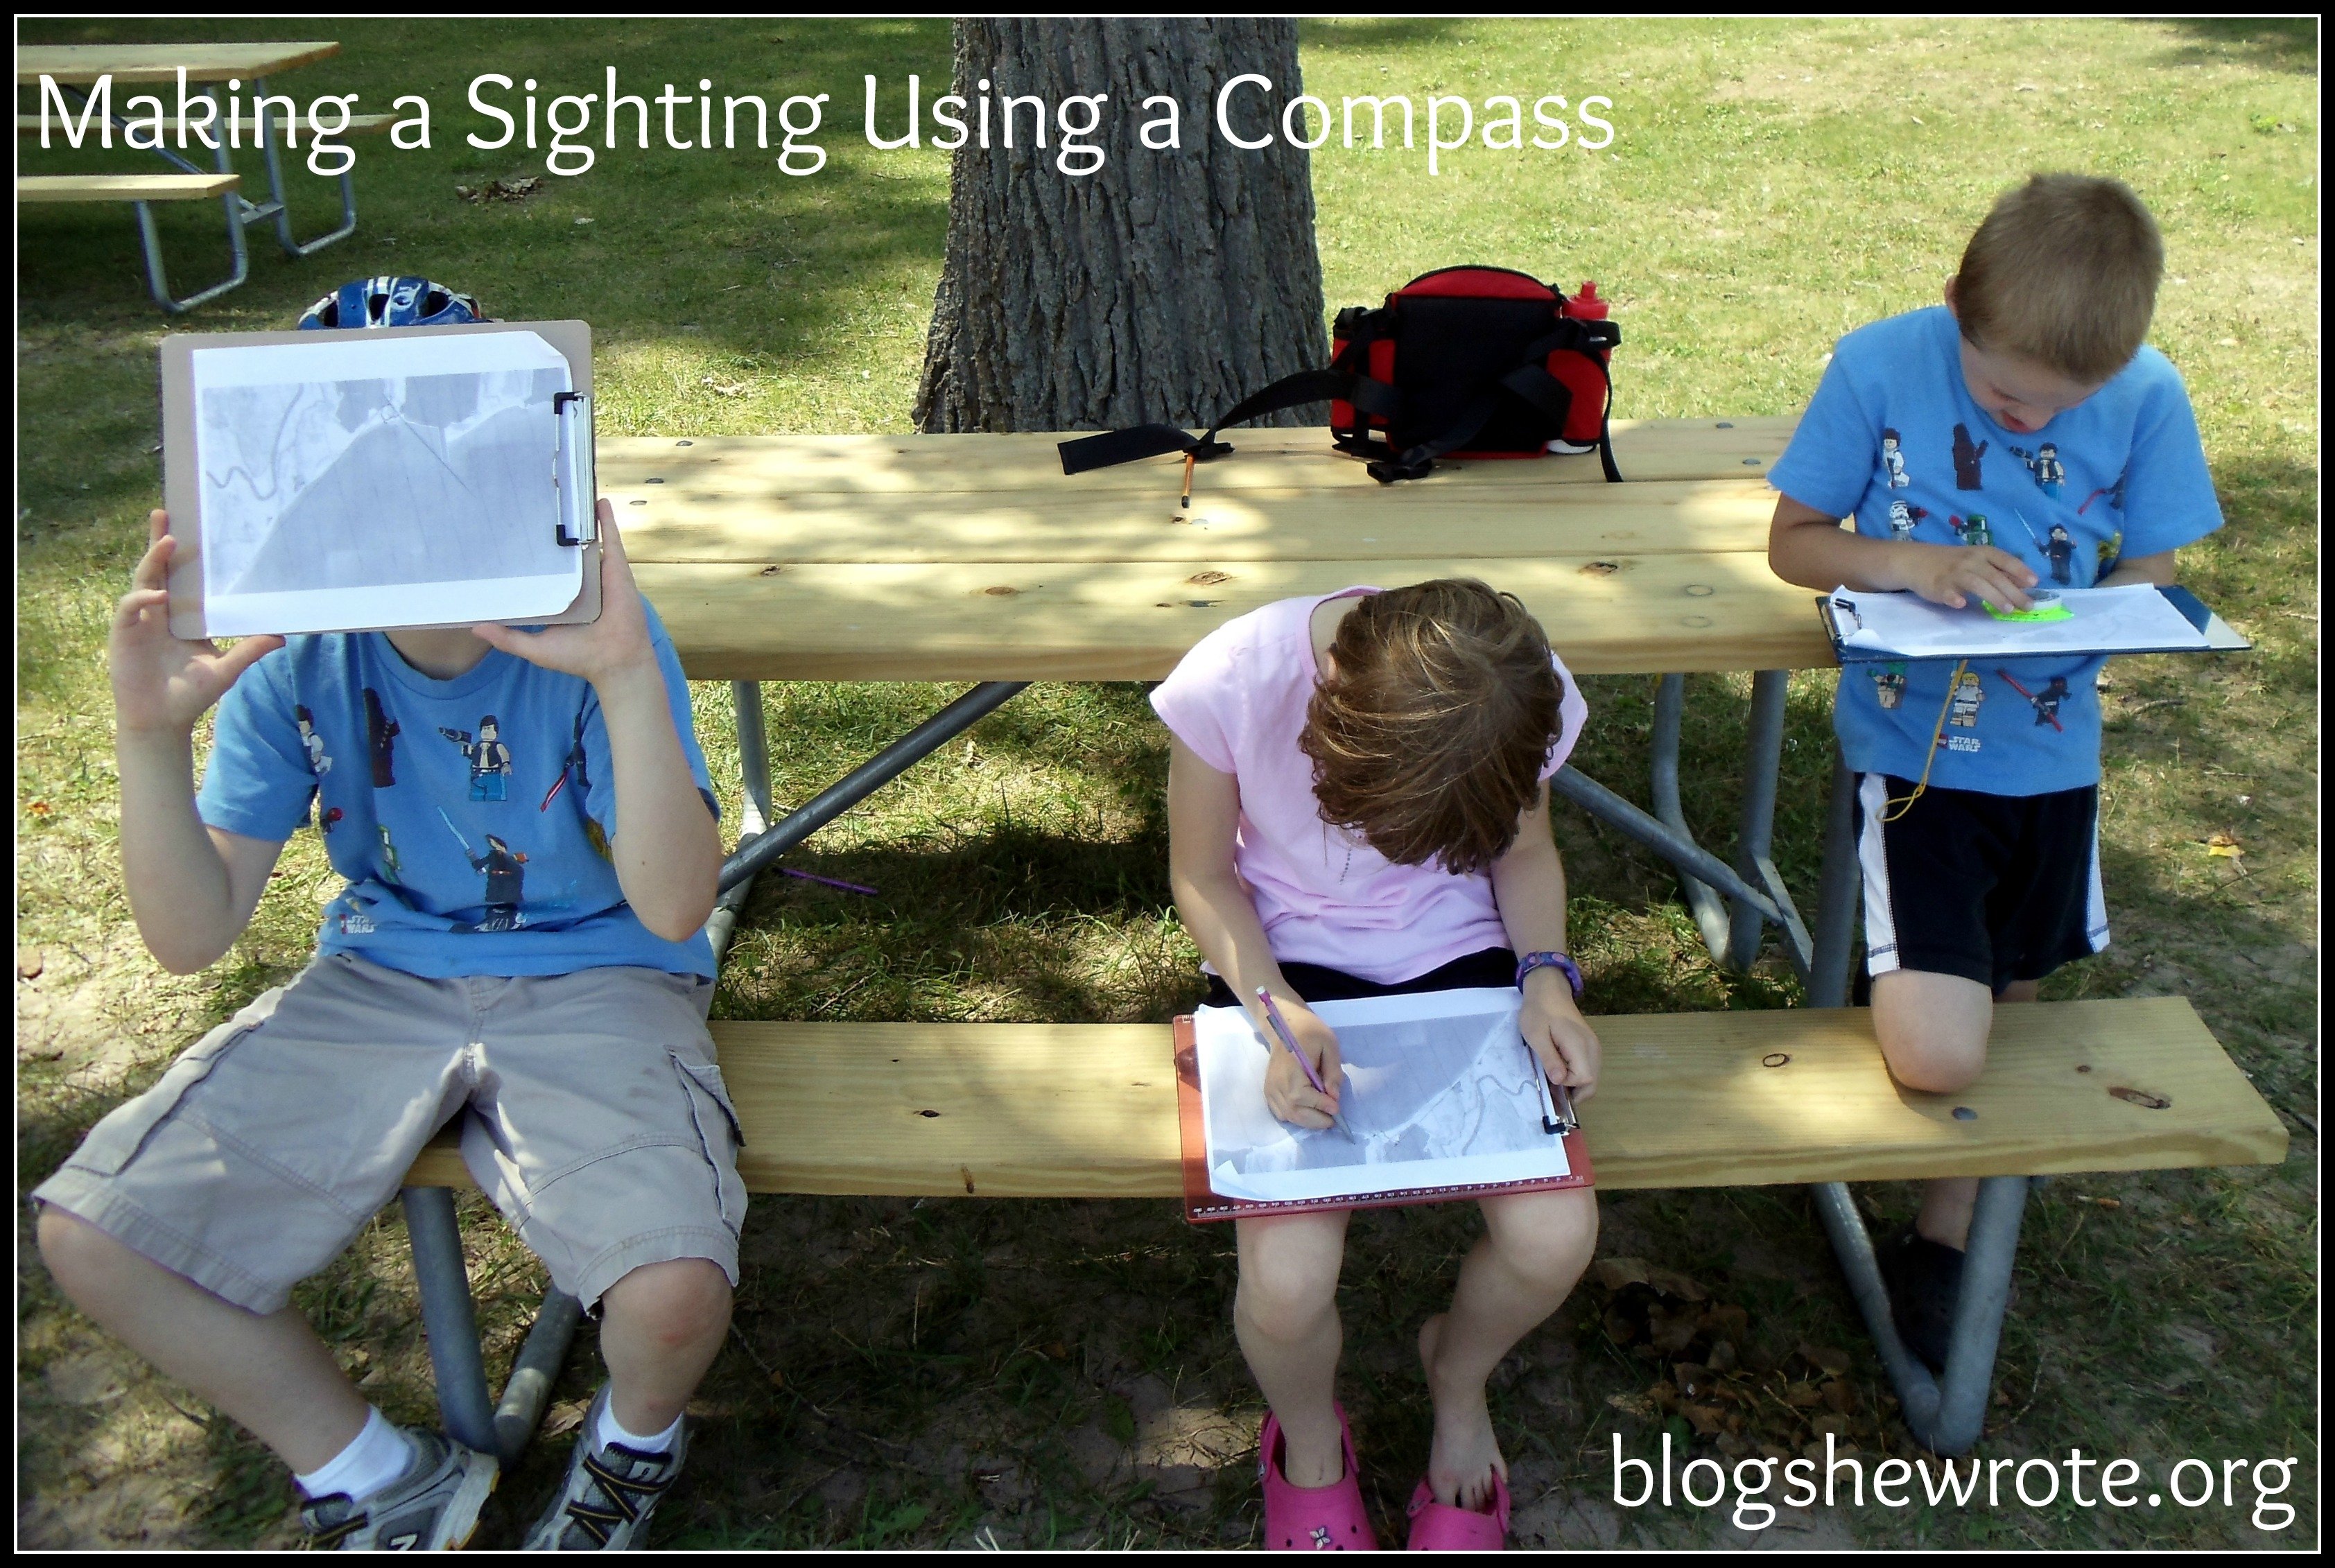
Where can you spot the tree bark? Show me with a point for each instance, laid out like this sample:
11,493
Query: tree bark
1165,286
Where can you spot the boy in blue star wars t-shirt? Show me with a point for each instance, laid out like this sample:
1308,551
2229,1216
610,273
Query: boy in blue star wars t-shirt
529,849
2018,437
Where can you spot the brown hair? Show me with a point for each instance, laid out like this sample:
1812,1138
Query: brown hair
1430,734
2063,271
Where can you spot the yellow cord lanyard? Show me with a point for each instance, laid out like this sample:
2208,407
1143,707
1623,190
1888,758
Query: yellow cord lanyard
1891,811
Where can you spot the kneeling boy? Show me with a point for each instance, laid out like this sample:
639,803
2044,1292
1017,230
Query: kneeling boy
524,823
2022,439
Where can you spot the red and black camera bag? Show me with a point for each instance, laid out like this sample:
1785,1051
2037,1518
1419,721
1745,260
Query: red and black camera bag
1462,362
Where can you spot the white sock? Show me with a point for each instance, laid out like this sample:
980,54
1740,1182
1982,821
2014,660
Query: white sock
610,1431
377,1456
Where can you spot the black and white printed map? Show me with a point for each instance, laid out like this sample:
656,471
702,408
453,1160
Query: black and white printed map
1439,1091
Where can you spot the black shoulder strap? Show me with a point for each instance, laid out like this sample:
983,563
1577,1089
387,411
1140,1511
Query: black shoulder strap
1309,386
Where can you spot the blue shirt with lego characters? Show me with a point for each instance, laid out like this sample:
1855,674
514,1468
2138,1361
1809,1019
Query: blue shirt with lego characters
469,817
1893,439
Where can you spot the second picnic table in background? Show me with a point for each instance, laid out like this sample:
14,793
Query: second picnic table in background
209,65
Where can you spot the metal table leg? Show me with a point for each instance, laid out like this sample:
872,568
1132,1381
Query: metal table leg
534,1371
867,778
465,1409
276,207
158,284
1763,759
1837,889
1710,913
1944,1414
754,773
1673,844
1731,929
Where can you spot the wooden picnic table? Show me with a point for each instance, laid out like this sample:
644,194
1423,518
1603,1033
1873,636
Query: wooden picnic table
973,558
76,68
143,64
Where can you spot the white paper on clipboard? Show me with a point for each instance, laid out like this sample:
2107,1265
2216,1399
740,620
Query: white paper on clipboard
1439,1091
355,481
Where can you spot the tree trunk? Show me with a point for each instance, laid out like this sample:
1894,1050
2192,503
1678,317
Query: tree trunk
1168,285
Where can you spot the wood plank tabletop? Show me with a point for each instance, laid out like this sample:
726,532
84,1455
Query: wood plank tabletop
145,64
718,520
236,126
1687,1099
1132,621
1288,459
969,557
33,190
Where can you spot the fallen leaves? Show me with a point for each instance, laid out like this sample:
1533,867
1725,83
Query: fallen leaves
724,389
500,189
84,1380
1718,1381
564,1418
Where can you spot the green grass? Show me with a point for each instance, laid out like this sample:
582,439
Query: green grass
927,1374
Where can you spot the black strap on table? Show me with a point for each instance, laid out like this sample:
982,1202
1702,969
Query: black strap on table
1151,440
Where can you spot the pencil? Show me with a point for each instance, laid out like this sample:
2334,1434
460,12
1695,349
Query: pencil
1281,1028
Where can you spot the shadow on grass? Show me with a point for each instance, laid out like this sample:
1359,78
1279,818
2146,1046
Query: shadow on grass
1364,37
2289,44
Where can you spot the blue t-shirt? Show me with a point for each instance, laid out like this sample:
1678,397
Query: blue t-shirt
471,817
1894,437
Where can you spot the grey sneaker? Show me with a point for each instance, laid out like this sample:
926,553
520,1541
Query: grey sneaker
605,1503
433,1507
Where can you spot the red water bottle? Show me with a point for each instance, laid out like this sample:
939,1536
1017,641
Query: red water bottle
1584,375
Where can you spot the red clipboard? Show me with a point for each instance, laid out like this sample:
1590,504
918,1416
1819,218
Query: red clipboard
1202,1203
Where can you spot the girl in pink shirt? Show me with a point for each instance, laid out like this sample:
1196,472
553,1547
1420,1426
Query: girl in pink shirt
1358,805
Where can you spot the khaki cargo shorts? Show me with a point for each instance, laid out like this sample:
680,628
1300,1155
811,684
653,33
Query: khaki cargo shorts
593,1114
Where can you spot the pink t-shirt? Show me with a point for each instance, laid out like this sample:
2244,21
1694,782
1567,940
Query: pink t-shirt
1238,700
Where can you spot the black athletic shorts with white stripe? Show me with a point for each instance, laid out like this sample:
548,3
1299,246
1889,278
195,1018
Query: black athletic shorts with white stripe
1995,888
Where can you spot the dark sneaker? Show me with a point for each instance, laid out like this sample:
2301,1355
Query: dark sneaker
1924,1279
611,1490
433,1507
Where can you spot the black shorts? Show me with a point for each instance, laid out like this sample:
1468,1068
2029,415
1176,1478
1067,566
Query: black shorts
1319,983
1995,888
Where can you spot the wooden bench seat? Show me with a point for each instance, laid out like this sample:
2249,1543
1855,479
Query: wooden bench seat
80,187
245,129
1687,1099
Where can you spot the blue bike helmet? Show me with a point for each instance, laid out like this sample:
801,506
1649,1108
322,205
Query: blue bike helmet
391,302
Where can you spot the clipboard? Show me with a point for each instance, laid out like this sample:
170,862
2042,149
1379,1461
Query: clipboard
1202,1203
573,469
1840,621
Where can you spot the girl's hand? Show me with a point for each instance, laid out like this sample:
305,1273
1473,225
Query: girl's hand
1553,1026
162,683
1951,574
1286,1093
617,644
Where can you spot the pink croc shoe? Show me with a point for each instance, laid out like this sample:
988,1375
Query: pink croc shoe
1441,1527
1312,1518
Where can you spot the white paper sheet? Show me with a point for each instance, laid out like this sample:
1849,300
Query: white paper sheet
2100,619
400,482
1439,1091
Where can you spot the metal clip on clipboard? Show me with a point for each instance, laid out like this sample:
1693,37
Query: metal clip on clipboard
572,467
1559,1118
